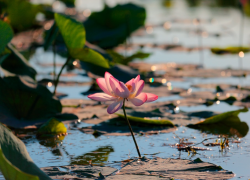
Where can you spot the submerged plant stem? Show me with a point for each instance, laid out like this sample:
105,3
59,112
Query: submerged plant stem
58,76
130,128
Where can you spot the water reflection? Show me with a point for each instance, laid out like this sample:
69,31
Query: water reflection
98,156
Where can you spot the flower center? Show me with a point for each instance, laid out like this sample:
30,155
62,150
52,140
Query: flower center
129,88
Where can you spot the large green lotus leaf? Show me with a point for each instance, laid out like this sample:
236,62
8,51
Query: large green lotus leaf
111,26
72,31
118,58
5,53
15,152
6,34
16,64
25,103
227,123
50,36
148,121
51,128
11,172
90,56
121,72
21,14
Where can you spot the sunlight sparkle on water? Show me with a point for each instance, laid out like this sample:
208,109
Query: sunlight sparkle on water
163,81
50,84
151,80
86,12
241,54
149,30
153,68
167,25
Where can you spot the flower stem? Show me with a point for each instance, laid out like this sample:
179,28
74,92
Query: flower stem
58,76
130,128
54,62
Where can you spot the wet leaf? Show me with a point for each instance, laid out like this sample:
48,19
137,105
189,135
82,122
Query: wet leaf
25,103
148,121
16,64
15,152
119,22
222,117
51,128
227,123
6,34
11,172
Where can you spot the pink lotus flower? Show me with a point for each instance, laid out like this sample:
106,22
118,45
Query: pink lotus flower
117,91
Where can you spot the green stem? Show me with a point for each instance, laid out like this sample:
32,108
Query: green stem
58,76
130,128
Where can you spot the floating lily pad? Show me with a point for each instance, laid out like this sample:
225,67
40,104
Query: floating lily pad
229,50
119,22
149,121
227,123
89,172
24,103
119,127
148,169
222,117
51,128
11,172
15,152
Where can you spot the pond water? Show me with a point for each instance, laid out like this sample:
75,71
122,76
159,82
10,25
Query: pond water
78,147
